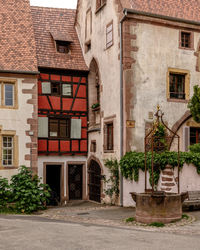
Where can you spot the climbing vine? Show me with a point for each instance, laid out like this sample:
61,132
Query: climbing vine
194,104
131,162
113,168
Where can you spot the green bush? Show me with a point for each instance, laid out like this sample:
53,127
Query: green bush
5,192
195,148
29,194
194,104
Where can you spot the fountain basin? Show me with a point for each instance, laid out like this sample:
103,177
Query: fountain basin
158,206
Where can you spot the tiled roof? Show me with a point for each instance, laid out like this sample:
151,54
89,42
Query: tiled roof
17,43
184,9
48,21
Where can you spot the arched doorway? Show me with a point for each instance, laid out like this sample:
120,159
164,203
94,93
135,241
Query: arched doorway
94,181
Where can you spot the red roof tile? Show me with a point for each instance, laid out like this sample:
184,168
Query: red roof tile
17,43
48,21
184,9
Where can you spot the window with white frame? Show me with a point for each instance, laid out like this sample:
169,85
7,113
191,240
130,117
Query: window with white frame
7,152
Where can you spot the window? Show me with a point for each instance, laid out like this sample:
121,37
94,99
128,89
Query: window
186,40
88,24
59,128
178,85
100,4
194,135
108,137
56,88
109,35
7,151
62,47
8,95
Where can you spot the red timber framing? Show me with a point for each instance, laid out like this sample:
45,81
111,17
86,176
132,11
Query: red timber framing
56,105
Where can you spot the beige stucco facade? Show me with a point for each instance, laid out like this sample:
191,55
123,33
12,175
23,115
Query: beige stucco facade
15,122
158,52
107,60
151,50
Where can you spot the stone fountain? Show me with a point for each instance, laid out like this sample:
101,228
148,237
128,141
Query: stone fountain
154,205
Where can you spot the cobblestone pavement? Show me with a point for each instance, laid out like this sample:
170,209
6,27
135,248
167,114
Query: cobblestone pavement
97,214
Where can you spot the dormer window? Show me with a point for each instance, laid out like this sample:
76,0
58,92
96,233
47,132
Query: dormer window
62,41
62,47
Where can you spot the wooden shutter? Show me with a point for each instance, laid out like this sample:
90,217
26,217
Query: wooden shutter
46,88
186,138
43,127
75,128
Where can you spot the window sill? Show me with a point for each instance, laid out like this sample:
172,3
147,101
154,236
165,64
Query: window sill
108,151
96,109
184,48
101,7
177,100
7,167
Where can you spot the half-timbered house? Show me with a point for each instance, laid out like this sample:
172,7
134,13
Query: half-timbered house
62,103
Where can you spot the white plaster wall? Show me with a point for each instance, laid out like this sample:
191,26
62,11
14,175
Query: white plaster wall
189,181
158,51
109,67
59,159
16,119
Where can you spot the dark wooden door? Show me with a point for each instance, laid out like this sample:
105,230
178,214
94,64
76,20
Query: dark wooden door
53,179
75,175
94,172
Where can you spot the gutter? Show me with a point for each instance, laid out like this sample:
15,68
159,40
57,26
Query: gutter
20,72
148,14
121,104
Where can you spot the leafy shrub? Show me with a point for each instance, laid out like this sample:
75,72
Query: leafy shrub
195,148
5,192
130,219
113,168
131,162
194,104
157,224
29,194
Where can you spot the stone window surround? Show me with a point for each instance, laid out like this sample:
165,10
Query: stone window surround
108,45
107,121
15,148
191,40
187,84
99,7
3,81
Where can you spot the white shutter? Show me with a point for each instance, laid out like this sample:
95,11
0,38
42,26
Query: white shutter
43,127
46,88
67,89
76,128
186,138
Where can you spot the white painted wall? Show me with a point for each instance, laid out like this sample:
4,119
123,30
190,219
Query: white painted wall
189,181
16,119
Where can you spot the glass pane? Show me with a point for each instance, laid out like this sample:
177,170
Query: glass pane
9,94
54,128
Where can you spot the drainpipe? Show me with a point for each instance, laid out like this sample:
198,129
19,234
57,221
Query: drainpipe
121,104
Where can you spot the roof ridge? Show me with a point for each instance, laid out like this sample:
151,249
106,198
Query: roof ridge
52,8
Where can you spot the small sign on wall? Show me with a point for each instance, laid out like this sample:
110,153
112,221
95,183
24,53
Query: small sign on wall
130,124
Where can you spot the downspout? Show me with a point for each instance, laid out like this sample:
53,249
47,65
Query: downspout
121,103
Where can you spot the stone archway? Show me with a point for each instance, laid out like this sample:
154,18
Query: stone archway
95,184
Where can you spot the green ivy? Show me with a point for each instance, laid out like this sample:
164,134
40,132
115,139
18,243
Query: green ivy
194,104
113,167
5,192
131,162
